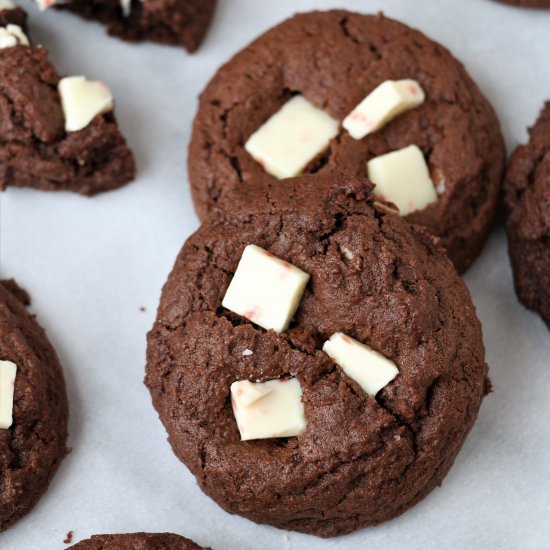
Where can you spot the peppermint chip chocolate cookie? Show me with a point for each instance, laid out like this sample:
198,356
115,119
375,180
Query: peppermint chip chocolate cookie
179,22
55,133
335,91
135,541
33,408
316,360
527,200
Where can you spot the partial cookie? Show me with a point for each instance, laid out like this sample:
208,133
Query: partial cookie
527,3
33,408
12,14
178,22
527,200
138,541
334,60
56,134
274,428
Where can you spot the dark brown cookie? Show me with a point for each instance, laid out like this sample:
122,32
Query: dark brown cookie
334,58
33,447
16,16
179,22
527,3
35,149
361,460
138,541
527,199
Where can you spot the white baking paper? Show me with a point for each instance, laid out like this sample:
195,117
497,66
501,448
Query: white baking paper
90,264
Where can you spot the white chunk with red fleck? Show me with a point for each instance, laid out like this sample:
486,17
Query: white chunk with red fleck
371,370
266,410
7,5
82,100
8,372
45,4
402,177
12,35
265,289
292,138
384,103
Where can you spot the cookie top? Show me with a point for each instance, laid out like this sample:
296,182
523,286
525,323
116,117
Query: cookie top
527,200
135,541
32,448
361,460
334,59
35,148
178,22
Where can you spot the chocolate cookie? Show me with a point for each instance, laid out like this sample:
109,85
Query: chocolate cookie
527,3
527,200
34,445
334,59
363,458
11,14
179,22
37,147
138,541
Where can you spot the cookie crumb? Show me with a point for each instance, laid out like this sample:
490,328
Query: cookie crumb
142,308
69,538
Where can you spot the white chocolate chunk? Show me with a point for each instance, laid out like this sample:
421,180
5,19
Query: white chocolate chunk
270,409
12,35
402,177
371,370
7,5
245,393
384,103
265,289
82,100
247,352
45,4
292,138
8,371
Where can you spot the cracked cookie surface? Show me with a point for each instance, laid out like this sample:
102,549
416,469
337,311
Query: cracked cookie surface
135,541
35,149
33,447
334,58
527,200
360,460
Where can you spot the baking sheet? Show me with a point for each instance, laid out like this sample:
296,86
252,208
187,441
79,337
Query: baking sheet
90,265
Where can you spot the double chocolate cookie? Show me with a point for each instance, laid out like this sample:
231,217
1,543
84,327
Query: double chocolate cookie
10,14
33,445
138,541
334,59
38,147
527,200
179,22
353,457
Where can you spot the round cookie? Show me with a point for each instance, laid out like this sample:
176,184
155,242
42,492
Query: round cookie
361,460
527,200
33,447
133,541
527,3
334,59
